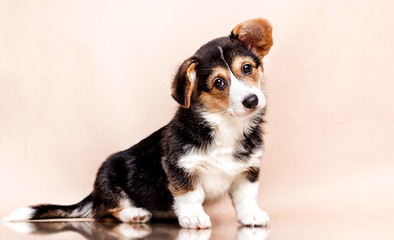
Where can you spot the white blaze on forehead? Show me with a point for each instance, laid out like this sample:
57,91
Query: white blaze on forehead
239,90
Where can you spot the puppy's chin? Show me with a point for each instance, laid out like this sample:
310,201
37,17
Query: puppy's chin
242,113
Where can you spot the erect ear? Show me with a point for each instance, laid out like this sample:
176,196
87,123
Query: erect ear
183,84
256,33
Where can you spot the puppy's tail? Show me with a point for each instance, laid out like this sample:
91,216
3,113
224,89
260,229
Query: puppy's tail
83,209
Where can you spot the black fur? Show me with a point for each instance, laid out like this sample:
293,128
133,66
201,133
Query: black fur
251,140
136,173
179,83
44,211
253,174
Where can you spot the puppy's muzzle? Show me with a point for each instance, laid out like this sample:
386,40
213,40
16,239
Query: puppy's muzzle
250,101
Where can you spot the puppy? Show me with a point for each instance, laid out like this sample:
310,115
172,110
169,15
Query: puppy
211,147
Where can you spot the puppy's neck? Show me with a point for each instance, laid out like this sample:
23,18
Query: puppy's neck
227,128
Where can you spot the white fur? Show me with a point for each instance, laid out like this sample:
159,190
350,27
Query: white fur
193,75
239,90
216,166
133,214
188,208
21,214
244,197
125,201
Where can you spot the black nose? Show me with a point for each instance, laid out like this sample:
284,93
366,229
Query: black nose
250,101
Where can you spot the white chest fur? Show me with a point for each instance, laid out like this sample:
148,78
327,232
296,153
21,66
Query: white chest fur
215,167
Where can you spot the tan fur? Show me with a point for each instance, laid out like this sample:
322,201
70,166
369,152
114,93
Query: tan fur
256,33
254,78
115,212
216,100
177,190
189,85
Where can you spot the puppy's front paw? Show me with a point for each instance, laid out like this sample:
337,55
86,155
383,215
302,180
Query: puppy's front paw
253,217
200,220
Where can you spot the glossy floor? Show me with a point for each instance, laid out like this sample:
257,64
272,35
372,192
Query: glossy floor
285,228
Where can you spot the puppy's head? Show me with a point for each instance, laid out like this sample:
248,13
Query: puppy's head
225,75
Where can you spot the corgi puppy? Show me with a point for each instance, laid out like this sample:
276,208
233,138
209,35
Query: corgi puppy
211,147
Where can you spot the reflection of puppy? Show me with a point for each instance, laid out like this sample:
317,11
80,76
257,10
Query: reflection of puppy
212,145
95,230
118,231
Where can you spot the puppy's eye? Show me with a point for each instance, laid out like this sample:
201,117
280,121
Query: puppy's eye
247,69
219,83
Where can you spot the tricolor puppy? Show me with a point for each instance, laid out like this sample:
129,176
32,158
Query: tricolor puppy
211,147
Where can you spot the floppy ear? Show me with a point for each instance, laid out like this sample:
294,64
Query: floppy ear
256,34
183,84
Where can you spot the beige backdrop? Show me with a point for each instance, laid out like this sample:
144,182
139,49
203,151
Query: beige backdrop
80,80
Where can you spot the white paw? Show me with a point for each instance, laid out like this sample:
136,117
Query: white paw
200,220
253,217
134,215
248,233
194,234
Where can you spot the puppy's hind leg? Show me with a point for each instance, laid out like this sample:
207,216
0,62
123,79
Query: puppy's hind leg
109,196
113,202
121,208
